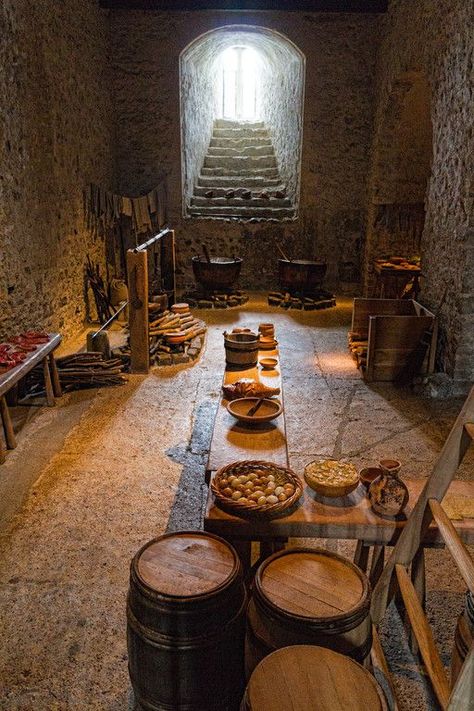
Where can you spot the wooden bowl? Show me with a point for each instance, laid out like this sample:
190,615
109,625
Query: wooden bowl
175,337
268,410
267,344
319,477
180,308
268,363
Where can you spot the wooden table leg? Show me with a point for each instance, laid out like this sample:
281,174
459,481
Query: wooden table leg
7,424
419,583
48,384
361,556
244,551
376,566
2,452
54,376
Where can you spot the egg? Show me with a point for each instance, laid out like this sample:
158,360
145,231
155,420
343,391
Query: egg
248,491
257,482
272,499
227,491
252,477
258,493
271,485
264,479
282,497
278,490
261,500
254,497
231,478
223,483
243,500
236,495
243,478
235,484
271,477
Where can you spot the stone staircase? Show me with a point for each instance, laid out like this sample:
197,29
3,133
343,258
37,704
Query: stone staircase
240,175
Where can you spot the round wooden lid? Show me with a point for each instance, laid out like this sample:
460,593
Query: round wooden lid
186,564
304,677
313,584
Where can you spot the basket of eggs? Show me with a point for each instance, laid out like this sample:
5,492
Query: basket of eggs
255,489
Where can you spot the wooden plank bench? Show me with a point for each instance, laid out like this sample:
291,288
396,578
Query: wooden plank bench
44,354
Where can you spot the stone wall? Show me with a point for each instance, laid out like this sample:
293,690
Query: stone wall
338,115
435,40
56,136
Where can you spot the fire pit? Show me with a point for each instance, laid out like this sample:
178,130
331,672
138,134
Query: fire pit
216,273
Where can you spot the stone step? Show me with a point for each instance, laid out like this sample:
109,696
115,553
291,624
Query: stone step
248,173
240,163
228,123
239,202
227,181
220,189
266,213
240,133
239,142
242,152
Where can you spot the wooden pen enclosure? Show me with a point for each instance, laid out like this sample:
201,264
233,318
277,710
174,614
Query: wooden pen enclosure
394,328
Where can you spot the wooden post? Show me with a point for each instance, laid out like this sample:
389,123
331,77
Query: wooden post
137,269
168,265
54,376
48,386
7,424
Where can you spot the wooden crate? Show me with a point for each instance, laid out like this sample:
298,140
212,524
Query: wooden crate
394,328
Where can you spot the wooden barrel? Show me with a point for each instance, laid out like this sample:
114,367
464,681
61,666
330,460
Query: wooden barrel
308,596
186,623
305,678
241,350
463,637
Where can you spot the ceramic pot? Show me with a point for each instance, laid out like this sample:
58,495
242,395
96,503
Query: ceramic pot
388,494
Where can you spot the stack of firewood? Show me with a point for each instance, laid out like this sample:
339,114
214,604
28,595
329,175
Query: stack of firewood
83,370
358,346
170,322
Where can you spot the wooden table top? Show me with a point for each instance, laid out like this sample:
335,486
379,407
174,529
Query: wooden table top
11,377
348,517
232,441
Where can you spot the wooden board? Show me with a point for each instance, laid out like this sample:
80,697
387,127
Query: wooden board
349,517
11,377
137,270
232,441
186,564
303,677
311,584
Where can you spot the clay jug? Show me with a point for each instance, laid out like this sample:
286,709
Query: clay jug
388,494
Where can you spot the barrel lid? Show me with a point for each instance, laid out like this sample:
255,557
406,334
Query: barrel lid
186,564
313,584
305,677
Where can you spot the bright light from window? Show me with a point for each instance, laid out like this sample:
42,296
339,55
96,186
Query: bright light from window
239,83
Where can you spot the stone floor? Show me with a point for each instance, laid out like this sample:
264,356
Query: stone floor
113,468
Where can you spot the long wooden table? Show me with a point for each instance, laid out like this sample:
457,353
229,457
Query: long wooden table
233,441
43,354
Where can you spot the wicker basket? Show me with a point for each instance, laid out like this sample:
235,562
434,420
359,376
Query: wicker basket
253,510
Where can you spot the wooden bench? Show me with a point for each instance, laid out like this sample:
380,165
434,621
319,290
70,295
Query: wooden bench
44,354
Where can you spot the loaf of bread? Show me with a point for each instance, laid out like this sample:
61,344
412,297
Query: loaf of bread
246,387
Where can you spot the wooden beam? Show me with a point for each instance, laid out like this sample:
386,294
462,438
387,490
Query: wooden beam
377,657
137,270
463,691
359,6
456,547
424,636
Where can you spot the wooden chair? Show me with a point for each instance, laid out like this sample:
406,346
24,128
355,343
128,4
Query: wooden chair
408,550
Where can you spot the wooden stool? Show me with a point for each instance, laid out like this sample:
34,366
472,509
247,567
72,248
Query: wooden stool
305,677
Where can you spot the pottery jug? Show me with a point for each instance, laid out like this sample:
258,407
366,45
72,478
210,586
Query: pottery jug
388,494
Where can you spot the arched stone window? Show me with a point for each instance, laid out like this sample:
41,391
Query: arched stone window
241,124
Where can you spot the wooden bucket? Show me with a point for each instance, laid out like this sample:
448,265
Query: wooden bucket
304,678
241,350
463,638
308,596
186,623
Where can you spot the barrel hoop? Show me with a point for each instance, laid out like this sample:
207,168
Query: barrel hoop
242,351
357,653
163,641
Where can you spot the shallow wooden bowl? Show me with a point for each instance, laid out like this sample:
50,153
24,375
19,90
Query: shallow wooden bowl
327,488
268,363
267,344
180,308
175,337
268,410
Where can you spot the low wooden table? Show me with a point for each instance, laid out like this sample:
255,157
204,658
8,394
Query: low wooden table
43,354
319,517
232,441
391,281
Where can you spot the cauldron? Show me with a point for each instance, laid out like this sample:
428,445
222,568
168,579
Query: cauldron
301,275
218,273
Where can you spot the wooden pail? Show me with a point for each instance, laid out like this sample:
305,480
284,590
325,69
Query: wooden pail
186,624
463,637
241,350
308,596
306,678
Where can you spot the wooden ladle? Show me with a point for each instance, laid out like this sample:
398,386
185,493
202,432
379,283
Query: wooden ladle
255,407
